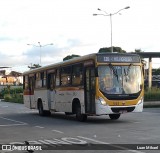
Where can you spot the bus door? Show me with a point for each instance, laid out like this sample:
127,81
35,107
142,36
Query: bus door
89,85
31,91
51,86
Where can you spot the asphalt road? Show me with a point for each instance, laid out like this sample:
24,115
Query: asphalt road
19,124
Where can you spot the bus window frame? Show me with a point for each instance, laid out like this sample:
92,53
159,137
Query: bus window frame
66,76
81,65
49,85
26,82
40,77
43,78
71,75
57,77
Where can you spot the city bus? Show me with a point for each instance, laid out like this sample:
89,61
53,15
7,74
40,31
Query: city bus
91,85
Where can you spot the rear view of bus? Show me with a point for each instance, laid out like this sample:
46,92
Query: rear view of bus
119,84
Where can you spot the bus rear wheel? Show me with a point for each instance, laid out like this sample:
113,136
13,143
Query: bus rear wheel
80,117
114,116
41,111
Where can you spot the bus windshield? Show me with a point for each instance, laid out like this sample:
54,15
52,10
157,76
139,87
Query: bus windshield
120,79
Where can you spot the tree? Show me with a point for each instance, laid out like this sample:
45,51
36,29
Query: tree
108,50
70,57
138,50
156,71
34,66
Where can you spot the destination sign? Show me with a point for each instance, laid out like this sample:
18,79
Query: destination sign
116,58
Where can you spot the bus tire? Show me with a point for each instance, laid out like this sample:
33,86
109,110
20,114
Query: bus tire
114,116
80,117
40,109
68,113
47,113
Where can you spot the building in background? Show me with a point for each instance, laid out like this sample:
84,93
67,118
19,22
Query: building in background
10,78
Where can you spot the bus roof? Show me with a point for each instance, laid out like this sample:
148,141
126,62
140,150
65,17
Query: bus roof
76,59
70,61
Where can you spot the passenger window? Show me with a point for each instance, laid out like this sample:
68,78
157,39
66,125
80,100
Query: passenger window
38,80
65,76
77,74
57,78
43,78
26,87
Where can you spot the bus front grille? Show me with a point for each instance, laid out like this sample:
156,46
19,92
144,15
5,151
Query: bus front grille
122,109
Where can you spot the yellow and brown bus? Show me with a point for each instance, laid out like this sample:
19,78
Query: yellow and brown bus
96,84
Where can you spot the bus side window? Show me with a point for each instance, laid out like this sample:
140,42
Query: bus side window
43,78
26,87
57,78
51,81
38,80
77,74
65,76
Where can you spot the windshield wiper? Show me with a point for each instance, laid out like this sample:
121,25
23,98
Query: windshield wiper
129,67
126,72
114,71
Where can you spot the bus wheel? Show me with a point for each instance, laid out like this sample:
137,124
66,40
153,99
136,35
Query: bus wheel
68,113
47,113
40,109
80,117
114,116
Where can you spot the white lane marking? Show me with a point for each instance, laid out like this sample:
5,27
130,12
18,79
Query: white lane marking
39,127
12,120
101,142
11,125
4,106
57,131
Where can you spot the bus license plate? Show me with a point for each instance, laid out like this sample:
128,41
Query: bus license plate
123,111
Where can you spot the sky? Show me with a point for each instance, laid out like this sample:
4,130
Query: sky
72,28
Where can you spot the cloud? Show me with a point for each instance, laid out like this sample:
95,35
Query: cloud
11,60
73,29
54,49
5,38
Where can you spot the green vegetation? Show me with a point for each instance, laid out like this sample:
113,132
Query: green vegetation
156,71
70,57
16,98
34,66
12,95
108,49
152,94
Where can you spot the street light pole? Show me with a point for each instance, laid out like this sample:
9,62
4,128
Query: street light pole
39,45
40,52
111,32
110,15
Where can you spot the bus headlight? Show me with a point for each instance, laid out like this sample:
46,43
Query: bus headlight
102,101
140,101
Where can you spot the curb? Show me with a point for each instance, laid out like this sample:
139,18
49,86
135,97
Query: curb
151,103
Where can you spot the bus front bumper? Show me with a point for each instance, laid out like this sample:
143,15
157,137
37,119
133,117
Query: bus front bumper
103,109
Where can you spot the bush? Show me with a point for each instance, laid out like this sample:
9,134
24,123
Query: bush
9,90
16,98
7,98
12,94
152,94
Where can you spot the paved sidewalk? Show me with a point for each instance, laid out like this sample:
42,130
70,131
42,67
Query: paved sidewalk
151,103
